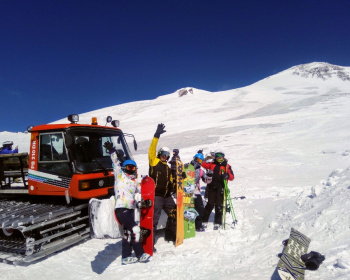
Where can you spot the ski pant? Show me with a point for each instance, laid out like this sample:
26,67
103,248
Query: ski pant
126,217
215,199
199,207
161,203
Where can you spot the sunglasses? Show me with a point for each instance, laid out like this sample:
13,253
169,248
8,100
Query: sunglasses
130,167
164,153
219,155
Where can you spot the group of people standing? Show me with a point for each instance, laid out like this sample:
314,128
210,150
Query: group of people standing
213,170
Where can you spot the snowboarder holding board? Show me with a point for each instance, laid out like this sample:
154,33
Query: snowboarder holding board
221,171
161,173
127,193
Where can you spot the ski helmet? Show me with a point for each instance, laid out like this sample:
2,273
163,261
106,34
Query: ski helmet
164,151
176,152
7,144
129,166
209,157
199,156
219,153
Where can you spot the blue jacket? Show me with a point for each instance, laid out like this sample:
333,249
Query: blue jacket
8,150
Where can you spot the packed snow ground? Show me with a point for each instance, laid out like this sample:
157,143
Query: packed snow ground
287,139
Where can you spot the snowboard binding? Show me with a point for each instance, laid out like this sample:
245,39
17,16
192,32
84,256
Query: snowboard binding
144,203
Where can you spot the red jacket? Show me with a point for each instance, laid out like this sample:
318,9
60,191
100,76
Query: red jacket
218,169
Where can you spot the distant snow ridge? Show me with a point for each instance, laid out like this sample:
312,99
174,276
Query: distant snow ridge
322,70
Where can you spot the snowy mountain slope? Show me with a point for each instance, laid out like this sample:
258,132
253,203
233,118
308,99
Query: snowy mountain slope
286,137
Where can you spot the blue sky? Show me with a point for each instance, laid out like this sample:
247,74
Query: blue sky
60,57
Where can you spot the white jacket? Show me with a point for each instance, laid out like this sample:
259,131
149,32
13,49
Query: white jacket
125,186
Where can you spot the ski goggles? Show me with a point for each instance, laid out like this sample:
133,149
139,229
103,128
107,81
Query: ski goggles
164,153
219,155
199,160
130,167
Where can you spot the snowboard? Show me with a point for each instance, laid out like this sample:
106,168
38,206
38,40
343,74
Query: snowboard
189,184
290,265
179,203
189,222
146,215
190,175
104,224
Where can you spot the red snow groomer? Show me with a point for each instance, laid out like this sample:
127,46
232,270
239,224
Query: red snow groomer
44,194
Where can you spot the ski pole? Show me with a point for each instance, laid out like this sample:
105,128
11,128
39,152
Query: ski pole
224,204
230,202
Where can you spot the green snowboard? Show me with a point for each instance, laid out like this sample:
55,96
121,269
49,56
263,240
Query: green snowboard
290,266
189,225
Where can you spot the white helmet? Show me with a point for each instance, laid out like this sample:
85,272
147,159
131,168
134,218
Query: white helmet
218,152
164,151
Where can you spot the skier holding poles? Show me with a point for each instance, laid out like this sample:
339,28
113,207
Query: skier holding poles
222,171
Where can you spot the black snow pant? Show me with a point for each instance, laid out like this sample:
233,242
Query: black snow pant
215,199
126,218
199,207
161,203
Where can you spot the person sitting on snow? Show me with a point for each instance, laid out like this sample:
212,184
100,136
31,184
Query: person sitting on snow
7,148
127,193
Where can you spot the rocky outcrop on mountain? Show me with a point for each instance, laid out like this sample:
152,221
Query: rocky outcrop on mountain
322,70
185,91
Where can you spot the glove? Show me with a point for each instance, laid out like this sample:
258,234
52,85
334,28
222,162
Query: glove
160,130
225,176
109,146
186,165
210,173
183,175
312,260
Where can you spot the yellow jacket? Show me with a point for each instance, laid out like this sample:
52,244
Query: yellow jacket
160,172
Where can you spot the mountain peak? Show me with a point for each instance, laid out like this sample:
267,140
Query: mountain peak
321,70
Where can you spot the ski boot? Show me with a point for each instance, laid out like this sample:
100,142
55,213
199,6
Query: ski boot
144,258
200,229
129,260
216,226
